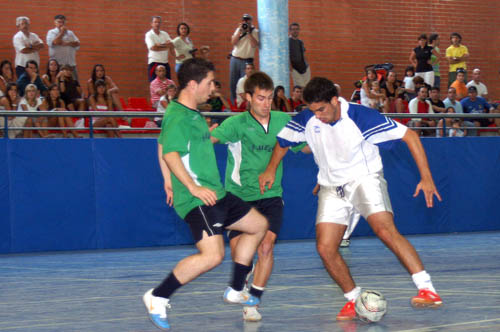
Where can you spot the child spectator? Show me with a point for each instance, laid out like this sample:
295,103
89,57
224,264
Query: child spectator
368,97
455,130
379,101
408,83
170,94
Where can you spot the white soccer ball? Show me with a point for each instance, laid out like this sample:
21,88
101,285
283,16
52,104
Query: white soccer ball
371,306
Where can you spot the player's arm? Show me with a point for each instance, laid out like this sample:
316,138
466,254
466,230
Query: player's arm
165,172
267,178
175,165
426,183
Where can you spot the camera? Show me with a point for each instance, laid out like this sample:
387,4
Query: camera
244,26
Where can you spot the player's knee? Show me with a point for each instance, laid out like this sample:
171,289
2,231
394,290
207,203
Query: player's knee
325,250
213,259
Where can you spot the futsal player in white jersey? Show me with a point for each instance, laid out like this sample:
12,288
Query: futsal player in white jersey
345,140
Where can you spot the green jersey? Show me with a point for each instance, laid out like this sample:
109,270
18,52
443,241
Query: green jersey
250,146
185,131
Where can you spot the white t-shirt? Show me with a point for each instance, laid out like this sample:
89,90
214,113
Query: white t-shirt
482,90
151,39
409,82
413,107
28,106
65,55
243,48
348,148
182,48
240,88
20,42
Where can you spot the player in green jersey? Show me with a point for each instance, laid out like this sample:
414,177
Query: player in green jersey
192,184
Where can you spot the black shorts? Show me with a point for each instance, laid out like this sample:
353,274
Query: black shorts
213,219
272,209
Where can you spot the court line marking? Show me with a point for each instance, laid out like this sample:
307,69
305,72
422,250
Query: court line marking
430,328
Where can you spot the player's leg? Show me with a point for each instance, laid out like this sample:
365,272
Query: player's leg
353,222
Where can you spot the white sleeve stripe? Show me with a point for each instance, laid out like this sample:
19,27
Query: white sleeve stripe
386,128
387,121
297,124
291,135
293,127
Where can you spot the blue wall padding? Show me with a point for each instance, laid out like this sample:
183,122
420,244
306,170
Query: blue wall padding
69,194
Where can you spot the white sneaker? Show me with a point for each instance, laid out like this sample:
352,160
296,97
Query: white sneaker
157,309
250,314
233,296
345,243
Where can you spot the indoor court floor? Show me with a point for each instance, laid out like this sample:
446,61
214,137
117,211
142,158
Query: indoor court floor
101,291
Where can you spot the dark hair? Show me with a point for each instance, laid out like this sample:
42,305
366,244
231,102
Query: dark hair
456,34
297,87
100,82
435,88
460,70
3,63
433,37
259,80
217,84
422,36
319,89
278,103
7,88
31,62
49,99
422,87
179,28
410,68
60,17
418,80
158,17
48,67
94,77
294,24
194,69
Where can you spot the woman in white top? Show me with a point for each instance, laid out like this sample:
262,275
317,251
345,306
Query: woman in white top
184,48
30,102
368,96
101,101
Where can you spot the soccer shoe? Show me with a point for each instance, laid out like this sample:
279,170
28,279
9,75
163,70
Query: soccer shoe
249,275
157,309
348,312
345,243
426,299
250,314
232,296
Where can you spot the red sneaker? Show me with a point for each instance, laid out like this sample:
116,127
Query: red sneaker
426,299
347,312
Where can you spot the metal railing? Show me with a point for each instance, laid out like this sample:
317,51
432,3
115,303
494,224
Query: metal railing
142,114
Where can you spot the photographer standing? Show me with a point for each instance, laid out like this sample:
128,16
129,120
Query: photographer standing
245,41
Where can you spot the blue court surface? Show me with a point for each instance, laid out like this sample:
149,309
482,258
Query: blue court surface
102,290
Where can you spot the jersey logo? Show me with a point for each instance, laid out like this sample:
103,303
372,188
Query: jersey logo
316,129
218,224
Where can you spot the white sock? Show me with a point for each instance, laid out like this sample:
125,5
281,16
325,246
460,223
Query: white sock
353,295
423,281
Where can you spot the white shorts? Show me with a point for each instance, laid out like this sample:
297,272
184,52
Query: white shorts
366,196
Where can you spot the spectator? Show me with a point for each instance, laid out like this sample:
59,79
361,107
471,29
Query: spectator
99,73
456,129
436,102
301,73
71,92
473,104
451,101
369,98
31,76
164,101
10,102
245,41
296,99
217,101
434,42
205,52
240,90
456,54
459,84
6,76
63,44
27,44
393,94
408,83
50,77
158,43
420,57
184,48
158,87
280,103
482,90
54,102
101,101
30,102
420,105
497,120
380,99
440,132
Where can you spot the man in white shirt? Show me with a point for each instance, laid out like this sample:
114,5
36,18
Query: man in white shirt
240,87
245,41
421,105
63,44
482,90
158,43
27,44
345,140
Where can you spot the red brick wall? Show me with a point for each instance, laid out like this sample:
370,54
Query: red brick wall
341,36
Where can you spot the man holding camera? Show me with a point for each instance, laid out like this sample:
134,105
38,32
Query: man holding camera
245,41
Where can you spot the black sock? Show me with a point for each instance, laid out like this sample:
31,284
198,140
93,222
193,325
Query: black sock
167,287
256,292
240,272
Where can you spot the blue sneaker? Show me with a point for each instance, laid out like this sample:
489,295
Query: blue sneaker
157,309
243,298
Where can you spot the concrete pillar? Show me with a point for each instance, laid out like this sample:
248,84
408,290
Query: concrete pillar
274,53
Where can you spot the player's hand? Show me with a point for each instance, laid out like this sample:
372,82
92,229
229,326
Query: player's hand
316,189
212,127
207,196
429,190
170,194
266,179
